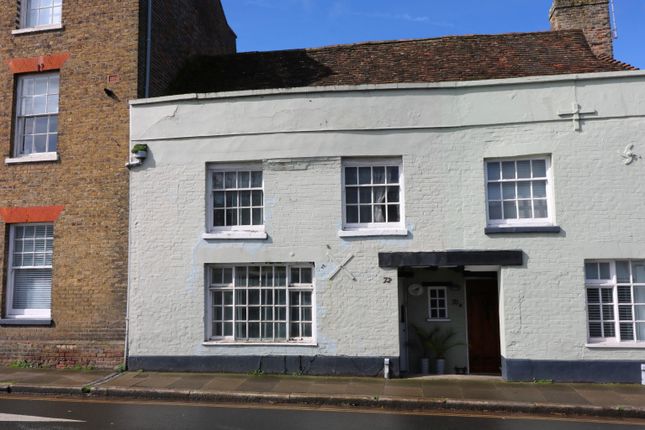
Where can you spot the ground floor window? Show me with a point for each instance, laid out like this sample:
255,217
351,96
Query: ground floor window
616,300
30,270
437,303
261,303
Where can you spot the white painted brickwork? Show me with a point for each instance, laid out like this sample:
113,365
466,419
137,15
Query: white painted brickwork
443,134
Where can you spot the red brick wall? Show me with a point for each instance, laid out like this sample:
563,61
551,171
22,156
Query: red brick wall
90,181
182,28
590,16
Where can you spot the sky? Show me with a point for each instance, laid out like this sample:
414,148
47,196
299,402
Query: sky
264,25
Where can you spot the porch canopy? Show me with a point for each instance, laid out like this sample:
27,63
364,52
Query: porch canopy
451,258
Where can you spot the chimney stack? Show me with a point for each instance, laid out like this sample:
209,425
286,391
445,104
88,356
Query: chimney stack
590,16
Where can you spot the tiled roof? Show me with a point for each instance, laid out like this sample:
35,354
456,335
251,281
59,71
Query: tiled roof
454,58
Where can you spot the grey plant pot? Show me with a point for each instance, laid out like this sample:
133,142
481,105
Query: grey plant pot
425,366
141,155
441,366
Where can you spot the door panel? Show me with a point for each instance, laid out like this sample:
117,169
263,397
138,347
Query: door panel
483,326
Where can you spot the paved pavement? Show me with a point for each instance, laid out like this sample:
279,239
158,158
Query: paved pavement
449,392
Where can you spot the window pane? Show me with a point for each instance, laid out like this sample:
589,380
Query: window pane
378,175
243,179
524,190
524,208
256,179
510,212
350,176
365,195
392,175
595,330
495,210
351,195
640,331
604,271
625,313
493,170
379,213
218,180
393,213
280,276
540,209
365,213
258,198
539,168
639,294
257,217
494,191
245,198
306,276
626,331
625,294
639,310
638,272
508,190
508,170
230,179
231,217
295,276
609,329
379,194
524,169
622,271
364,175
352,214
393,194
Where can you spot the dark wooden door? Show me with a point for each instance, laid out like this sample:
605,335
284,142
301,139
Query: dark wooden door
483,326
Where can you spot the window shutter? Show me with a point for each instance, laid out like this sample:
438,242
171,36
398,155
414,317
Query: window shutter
32,289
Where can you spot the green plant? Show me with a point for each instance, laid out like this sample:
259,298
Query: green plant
436,341
86,389
22,364
82,368
120,368
139,147
256,372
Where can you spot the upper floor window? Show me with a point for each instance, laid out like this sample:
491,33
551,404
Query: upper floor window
237,197
41,13
373,193
519,191
30,271
36,114
615,300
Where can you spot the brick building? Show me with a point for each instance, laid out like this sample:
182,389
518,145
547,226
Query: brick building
347,196
68,70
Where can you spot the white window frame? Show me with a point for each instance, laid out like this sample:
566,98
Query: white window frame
22,313
550,201
612,282
20,119
430,307
290,287
25,8
236,231
384,228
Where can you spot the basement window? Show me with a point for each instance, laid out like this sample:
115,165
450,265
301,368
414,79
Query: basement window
615,291
270,303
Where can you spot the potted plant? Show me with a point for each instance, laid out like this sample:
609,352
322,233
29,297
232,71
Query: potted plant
140,151
435,342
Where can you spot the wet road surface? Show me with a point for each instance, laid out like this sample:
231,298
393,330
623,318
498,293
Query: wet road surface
28,413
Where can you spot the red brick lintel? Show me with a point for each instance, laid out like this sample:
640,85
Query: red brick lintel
41,63
32,214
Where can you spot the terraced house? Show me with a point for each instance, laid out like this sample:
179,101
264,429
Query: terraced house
307,211
68,69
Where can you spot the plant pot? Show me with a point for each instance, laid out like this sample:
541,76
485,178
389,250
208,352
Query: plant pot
425,366
441,366
141,155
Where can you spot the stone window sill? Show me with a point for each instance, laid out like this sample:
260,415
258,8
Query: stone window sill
542,229
42,28
435,320
46,322
369,232
235,235
33,158
616,345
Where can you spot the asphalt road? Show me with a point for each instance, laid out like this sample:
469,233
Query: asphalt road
47,414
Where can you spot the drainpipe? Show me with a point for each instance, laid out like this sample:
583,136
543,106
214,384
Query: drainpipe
148,49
